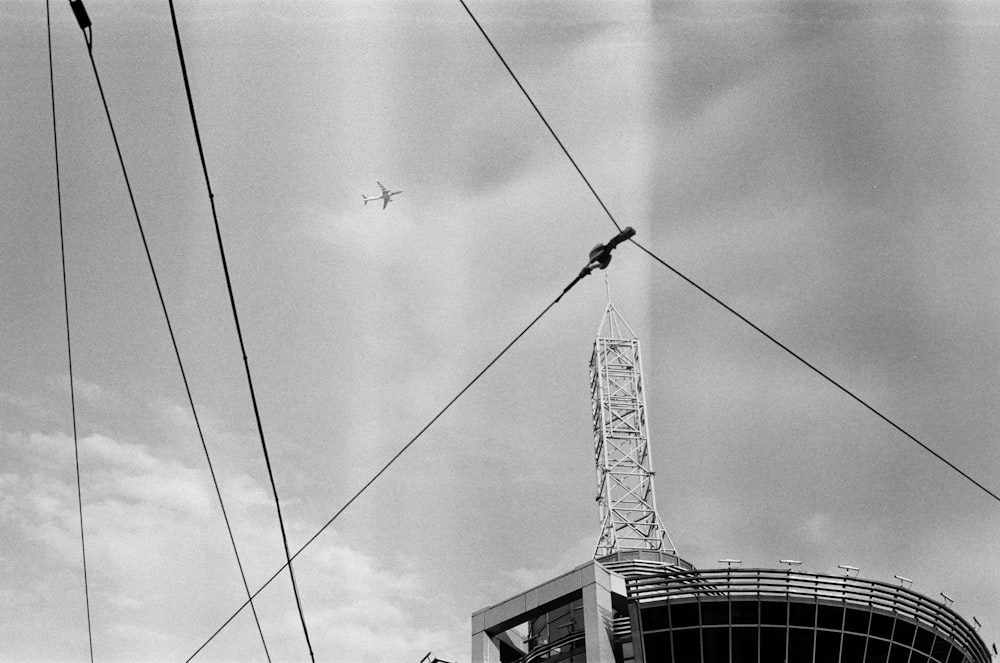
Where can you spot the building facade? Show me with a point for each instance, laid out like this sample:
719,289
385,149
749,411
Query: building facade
765,615
662,610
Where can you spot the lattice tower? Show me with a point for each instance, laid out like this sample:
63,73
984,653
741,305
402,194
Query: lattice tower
621,443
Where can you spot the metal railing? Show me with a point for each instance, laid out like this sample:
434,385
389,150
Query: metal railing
772,584
546,651
621,629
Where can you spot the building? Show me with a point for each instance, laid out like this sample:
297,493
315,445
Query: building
638,601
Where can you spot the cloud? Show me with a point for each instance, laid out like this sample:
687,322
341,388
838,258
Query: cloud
161,570
523,578
372,614
88,392
17,406
33,407
765,127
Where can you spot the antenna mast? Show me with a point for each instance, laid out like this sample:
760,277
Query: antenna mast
621,443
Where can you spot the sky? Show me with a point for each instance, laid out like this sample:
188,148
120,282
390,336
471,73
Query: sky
828,169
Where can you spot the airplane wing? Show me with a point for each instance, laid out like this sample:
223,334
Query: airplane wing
381,186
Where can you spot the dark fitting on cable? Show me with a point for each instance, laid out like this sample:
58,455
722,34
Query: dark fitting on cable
600,255
81,13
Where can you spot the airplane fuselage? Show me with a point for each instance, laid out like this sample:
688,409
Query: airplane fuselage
386,196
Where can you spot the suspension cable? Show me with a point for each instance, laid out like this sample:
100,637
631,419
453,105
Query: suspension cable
69,345
540,116
86,27
239,334
586,270
706,292
818,372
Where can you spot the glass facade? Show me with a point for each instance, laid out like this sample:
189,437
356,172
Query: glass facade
769,631
557,635
678,614
773,616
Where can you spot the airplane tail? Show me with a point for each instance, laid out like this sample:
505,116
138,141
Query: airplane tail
364,198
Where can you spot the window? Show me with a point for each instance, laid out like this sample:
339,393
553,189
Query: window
878,651
657,646
904,633
684,614
881,626
956,656
800,645
687,645
801,614
772,644
744,644
831,617
852,648
745,612
714,612
899,654
715,642
555,624
924,640
774,613
827,646
856,621
655,618
941,650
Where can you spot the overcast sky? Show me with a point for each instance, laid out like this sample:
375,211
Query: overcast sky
830,169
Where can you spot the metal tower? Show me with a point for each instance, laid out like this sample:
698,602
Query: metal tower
621,443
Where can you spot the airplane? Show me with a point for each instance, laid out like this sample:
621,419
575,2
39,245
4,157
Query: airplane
385,197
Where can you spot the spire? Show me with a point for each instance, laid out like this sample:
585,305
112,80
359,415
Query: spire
621,443
613,325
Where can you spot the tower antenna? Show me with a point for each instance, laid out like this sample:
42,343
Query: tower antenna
621,443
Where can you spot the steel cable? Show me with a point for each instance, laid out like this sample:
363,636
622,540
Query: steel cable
397,455
69,345
239,334
88,38
706,292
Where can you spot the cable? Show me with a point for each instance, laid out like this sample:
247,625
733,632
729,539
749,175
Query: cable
542,117
399,453
706,292
69,345
84,22
239,334
817,371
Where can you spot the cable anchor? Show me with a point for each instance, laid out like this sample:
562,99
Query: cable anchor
83,20
600,257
